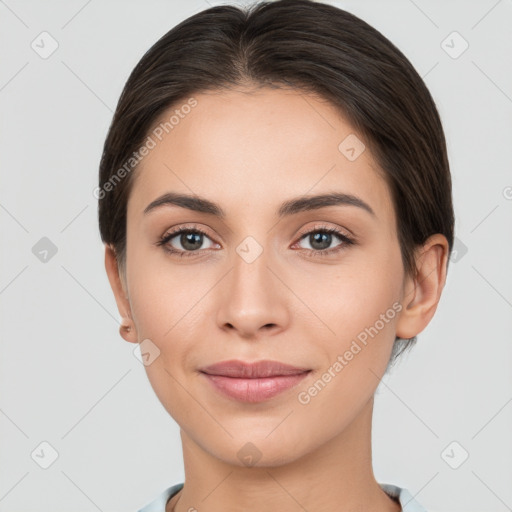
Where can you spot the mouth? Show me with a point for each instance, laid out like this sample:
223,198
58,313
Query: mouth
253,382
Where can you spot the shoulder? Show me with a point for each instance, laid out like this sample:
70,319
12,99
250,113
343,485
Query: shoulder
404,497
158,504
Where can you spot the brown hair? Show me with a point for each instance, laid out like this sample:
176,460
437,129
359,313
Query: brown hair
312,47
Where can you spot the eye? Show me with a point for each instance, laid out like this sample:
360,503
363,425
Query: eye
187,242
190,239
320,238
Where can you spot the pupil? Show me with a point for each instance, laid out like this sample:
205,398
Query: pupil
324,239
188,239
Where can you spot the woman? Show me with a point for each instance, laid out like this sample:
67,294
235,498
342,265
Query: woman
275,203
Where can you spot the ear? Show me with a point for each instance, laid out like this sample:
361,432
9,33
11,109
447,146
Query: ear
422,292
118,285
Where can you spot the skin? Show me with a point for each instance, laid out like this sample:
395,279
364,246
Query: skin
249,151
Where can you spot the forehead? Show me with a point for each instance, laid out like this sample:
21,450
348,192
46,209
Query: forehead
252,149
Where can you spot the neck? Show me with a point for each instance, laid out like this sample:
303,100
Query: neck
337,476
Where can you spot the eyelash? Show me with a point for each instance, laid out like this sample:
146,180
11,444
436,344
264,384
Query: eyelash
347,241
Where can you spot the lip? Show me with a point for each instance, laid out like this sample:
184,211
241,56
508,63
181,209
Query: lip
258,369
253,382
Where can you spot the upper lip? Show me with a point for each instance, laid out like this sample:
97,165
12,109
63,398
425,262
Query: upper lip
258,369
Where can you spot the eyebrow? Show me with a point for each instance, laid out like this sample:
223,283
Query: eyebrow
290,207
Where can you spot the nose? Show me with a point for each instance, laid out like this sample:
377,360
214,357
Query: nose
252,300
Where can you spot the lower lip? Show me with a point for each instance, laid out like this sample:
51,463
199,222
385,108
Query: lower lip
254,390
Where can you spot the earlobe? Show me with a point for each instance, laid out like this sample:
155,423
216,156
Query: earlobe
423,292
127,327
127,331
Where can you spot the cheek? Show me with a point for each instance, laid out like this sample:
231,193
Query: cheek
361,309
167,301
352,296
360,305
163,303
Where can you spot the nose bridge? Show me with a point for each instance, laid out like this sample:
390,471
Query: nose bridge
251,298
250,276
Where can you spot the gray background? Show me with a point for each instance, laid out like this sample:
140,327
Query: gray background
69,379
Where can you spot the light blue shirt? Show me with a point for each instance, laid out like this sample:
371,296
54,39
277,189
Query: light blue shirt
407,502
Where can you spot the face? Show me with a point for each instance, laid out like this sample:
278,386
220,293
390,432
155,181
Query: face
302,285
